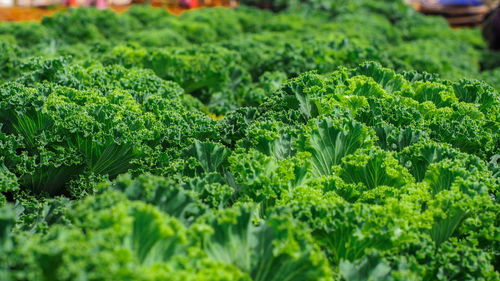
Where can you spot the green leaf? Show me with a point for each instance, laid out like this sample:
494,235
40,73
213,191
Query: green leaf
209,155
163,193
374,167
275,249
329,141
371,267
154,237
7,222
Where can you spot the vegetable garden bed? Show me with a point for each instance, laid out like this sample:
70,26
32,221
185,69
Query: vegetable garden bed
353,141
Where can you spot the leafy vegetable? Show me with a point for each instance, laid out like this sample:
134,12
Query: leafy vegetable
333,140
